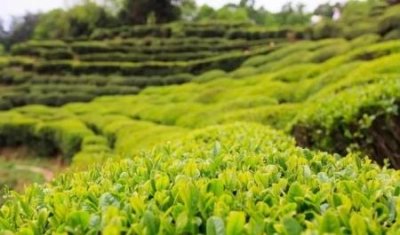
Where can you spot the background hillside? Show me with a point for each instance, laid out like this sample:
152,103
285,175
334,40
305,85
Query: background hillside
180,119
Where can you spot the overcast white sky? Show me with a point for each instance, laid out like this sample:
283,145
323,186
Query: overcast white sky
10,8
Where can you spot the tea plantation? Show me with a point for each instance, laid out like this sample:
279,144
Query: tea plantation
198,157
124,60
195,128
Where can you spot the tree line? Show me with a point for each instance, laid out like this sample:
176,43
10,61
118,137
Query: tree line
82,19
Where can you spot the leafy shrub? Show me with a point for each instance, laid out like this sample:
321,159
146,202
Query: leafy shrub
5,104
326,29
214,164
389,21
210,75
59,54
365,40
133,32
328,52
244,72
297,73
123,57
9,76
359,29
376,51
3,62
11,124
54,67
24,62
393,35
356,102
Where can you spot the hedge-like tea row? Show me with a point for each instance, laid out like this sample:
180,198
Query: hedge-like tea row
209,30
235,179
285,86
46,138
362,113
82,48
159,31
46,45
137,47
28,88
131,57
226,61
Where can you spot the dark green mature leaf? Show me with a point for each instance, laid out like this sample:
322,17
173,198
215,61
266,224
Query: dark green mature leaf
215,226
295,191
330,223
151,222
292,227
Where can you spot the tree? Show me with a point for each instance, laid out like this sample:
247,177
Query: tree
292,15
247,3
2,30
53,25
137,11
205,12
80,20
3,36
325,10
230,13
21,29
86,17
188,9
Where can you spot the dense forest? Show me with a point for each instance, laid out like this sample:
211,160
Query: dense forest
168,117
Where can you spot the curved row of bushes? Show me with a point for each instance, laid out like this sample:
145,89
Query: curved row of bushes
46,138
225,61
272,97
56,90
89,47
227,30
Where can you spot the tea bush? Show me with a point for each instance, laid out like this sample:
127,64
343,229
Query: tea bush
199,158
239,178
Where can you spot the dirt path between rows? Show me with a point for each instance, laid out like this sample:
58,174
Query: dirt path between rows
47,174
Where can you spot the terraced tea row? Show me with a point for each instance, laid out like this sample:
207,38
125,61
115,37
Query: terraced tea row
20,86
60,72
281,98
199,158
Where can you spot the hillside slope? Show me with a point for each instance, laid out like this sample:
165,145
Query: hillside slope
199,157
291,89
122,61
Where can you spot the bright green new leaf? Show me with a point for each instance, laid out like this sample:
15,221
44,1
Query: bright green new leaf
235,223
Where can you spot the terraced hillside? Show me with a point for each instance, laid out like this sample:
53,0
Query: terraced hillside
124,60
301,138
281,89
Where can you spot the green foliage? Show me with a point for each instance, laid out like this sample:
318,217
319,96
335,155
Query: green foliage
172,187
210,75
198,158
53,25
326,29
244,72
3,62
139,11
390,20
80,20
56,72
